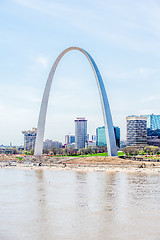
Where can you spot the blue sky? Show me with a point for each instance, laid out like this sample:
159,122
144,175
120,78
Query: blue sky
122,36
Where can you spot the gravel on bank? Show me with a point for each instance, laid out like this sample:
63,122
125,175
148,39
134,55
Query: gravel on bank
97,163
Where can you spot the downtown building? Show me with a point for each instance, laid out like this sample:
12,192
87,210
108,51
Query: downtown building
80,132
153,125
153,121
69,139
101,136
136,130
49,144
153,129
29,139
93,137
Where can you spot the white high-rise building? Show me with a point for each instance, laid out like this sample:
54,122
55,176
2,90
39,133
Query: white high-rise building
29,139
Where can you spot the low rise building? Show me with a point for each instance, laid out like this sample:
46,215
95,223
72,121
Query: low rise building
49,144
70,145
123,144
153,141
91,143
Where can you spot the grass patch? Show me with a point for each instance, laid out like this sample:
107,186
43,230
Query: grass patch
105,154
120,154
152,157
19,158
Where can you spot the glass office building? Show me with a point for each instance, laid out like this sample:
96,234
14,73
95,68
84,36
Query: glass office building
80,132
101,136
117,135
153,121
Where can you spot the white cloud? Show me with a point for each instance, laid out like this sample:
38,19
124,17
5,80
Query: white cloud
150,99
146,71
41,60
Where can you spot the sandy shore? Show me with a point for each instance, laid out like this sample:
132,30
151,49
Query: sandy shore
101,164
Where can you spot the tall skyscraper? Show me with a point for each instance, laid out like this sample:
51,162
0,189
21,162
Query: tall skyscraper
101,136
80,132
29,139
117,135
153,121
136,130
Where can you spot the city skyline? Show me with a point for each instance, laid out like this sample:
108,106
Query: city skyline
122,36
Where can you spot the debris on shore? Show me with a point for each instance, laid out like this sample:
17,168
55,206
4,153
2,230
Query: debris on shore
75,163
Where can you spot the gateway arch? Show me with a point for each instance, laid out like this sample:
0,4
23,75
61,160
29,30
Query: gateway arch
110,136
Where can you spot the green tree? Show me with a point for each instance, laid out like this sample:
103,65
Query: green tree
54,150
45,151
15,150
151,150
31,152
130,150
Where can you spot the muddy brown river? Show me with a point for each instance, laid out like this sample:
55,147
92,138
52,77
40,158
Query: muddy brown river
52,204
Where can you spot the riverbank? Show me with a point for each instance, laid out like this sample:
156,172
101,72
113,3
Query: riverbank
79,164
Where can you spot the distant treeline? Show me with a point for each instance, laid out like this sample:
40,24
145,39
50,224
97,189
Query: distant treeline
141,150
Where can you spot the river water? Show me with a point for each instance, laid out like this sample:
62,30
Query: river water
50,204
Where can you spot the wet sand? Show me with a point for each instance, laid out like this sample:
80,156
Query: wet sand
104,164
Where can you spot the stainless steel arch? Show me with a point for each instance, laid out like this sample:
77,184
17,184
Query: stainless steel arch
110,136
